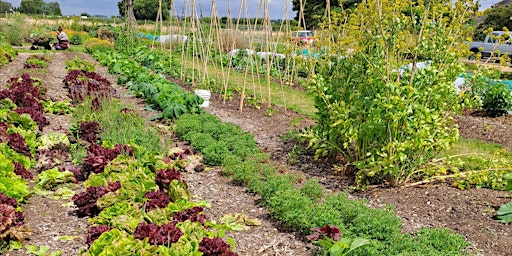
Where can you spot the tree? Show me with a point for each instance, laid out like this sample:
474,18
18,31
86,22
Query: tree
40,7
53,8
314,10
145,9
5,7
32,6
495,18
378,109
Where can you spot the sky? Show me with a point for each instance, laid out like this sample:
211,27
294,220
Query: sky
109,7
249,9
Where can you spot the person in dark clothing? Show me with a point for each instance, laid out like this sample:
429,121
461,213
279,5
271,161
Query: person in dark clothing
63,43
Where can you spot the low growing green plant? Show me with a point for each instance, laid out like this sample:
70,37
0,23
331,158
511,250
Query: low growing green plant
57,107
80,64
504,214
77,39
496,99
304,207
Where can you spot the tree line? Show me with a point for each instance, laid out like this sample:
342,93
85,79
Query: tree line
311,15
313,10
32,7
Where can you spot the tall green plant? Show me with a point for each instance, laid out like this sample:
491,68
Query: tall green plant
386,107
15,29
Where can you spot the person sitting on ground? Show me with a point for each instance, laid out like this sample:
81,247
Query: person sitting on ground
63,43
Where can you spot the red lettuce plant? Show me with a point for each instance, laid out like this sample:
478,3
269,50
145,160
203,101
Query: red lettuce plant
98,157
86,201
157,199
83,84
158,235
24,85
14,141
18,143
215,247
5,199
181,153
8,215
329,231
20,170
89,131
95,232
51,158
164,177
193,214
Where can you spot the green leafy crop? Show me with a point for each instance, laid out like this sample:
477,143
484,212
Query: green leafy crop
504,214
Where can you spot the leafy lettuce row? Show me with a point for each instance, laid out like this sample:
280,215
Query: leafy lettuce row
136,199
160,94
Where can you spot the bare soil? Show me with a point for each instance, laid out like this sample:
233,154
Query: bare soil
469,212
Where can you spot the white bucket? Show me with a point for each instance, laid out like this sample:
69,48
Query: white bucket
205,94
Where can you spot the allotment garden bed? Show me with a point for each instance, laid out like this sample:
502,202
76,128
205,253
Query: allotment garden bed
54,224
57,225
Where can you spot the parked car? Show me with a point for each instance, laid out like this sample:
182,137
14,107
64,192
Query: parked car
303,37
499,41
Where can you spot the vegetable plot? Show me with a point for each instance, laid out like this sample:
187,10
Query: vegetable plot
136,200
19,106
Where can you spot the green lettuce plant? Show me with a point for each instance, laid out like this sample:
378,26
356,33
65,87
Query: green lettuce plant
55,184
11,184
504,214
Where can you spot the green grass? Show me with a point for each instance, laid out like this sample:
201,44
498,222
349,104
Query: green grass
473,163
72,48
472,146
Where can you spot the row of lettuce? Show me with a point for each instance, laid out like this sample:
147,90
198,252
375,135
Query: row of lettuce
136,200
22,147
303,206
134,196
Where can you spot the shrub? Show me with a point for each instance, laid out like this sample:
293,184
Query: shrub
76,39
379,110
15,29
496,99
93,44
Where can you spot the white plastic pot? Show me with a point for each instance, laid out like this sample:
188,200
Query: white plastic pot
205,94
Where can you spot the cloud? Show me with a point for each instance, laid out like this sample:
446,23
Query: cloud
75,7
276,8
234,8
